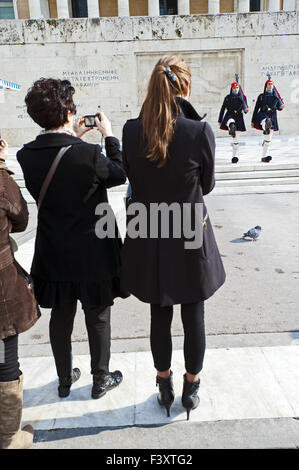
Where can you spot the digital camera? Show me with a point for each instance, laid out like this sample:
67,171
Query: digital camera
89,120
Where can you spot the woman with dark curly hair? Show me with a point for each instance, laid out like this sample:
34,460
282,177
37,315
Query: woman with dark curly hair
70,262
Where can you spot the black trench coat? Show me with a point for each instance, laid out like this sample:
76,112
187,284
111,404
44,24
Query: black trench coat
69,259
160,270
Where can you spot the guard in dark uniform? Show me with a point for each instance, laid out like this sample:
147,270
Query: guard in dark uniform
264,116
232,121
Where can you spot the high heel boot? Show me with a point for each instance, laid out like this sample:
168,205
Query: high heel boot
166,392
190,398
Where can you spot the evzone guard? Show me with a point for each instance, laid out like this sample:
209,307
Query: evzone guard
232,121
264,116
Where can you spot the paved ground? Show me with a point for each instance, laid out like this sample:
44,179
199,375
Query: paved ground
250,381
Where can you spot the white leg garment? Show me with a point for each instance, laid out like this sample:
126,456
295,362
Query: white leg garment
263,123
266,143
235,145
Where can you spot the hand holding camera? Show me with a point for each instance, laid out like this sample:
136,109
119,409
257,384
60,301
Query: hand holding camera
87,122
103,125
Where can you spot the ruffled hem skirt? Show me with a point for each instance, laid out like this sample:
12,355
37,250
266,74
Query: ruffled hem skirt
259,118
101,293
239,121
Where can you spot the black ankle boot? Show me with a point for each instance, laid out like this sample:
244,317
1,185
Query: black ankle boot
104,382
190,398
65,383
166,392
232,129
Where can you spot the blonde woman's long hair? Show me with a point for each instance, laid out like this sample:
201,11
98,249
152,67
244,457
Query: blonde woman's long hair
170,78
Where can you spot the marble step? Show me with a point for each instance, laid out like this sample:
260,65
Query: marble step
258,181
267,187
287,176
219,169
246,175
255,167
119,208
263,382
257,189
241,180
230,172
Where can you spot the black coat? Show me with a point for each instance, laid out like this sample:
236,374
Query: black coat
234,106
69,258
266,107
161,270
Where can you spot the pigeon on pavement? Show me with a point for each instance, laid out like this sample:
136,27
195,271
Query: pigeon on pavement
253,233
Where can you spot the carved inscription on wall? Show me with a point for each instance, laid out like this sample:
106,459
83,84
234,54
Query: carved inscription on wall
21,111
91,78
283,70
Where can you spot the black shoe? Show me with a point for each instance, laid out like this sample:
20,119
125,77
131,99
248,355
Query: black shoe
190,398
104,382
166,392
268,125
232,129
266,159
65,383
235,160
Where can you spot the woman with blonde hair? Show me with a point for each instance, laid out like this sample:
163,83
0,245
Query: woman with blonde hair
169,158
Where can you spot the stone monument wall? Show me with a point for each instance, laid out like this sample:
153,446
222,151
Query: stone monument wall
109,61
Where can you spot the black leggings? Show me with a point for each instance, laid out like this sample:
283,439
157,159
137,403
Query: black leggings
97,323
9,365
194,336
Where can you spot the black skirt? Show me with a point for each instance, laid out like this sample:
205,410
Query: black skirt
101,293
239,120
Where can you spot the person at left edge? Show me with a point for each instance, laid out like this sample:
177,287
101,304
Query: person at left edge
18,310
70,262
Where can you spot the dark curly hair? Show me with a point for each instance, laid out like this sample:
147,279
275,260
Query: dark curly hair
48,102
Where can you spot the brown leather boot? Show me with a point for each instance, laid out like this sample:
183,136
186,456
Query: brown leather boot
11,403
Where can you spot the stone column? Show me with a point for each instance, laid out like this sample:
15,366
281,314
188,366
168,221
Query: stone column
288,5
93,8
153,8
214,7
183,7
15,8
62,9
244,6
274,5
123,8
35,9
45,9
